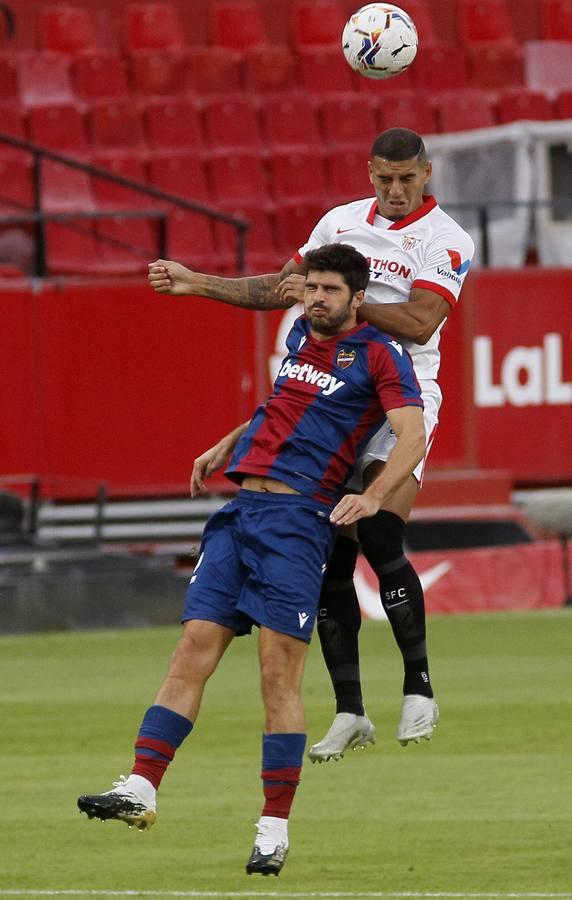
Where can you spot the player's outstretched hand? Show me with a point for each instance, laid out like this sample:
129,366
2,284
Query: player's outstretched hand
291,289
168,277
206,464
353,507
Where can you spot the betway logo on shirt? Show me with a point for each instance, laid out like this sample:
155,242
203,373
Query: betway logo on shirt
329,383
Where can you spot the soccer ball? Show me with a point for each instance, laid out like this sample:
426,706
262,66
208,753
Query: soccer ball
379,40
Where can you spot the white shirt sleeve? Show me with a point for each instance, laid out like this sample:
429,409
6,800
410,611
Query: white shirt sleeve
446,264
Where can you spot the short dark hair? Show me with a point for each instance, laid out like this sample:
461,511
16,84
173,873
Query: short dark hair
342,258
397,144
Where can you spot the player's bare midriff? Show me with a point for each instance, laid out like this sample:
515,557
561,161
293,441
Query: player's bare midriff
263,485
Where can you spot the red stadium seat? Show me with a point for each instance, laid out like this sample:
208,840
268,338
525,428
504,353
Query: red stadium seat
8,89
520,104
125,245
12,123
439,67
487,21
348,120
407,109
155,73
497,66
348,174
297,174
324,70
556,20
316,23
563,105
151,26
60,127
68,29
290,121
401,82
294,223
180,173
100,75
43,77
16,188
231,122
213,70
109,195
70,247
269,69
65,189
172,124
115,124
548,65
262,254
236,24
239,178
464,110
191,239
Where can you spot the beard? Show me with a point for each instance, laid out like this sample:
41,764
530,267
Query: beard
330,323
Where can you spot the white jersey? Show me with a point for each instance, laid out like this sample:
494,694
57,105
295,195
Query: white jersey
426,249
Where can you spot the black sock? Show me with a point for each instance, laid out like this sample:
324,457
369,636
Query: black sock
381,538
339,621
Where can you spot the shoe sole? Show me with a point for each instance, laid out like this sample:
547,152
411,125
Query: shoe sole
140,821
359,742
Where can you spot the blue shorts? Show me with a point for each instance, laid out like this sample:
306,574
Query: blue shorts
262,561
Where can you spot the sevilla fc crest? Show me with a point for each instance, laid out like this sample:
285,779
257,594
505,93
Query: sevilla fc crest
345,358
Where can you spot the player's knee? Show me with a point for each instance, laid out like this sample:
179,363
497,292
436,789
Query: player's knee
381,538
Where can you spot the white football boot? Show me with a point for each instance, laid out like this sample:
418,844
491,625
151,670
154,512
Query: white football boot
347,732
419,715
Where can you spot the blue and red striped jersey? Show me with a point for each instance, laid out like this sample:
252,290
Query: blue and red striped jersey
329,399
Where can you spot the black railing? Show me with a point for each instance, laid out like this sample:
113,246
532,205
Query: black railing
39,217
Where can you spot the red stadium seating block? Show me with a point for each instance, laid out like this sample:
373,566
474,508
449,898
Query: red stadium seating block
557,20
563,105
68,29
494,67
487,21
151,26
262,254
439,67
407,109
298,174
231,122
214,70
181,173
294,223
173,124
157,73
115,124
125,245
269,69
521,104
236,24
70,247
60,127
65,189
108,194
8,88
348,120
324,70
290,121
43,77
464,110
239,178
16,186
348,177
100,75
191,240
316,23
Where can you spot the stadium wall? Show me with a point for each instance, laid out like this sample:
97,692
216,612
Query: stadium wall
113,383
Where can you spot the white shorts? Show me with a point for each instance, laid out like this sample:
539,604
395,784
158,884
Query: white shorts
383,441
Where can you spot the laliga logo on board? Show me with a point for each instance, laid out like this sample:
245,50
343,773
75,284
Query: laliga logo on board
529,376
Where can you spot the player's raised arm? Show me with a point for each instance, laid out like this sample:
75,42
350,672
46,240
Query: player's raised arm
252,292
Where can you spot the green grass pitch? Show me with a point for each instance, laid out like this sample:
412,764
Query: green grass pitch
484,807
